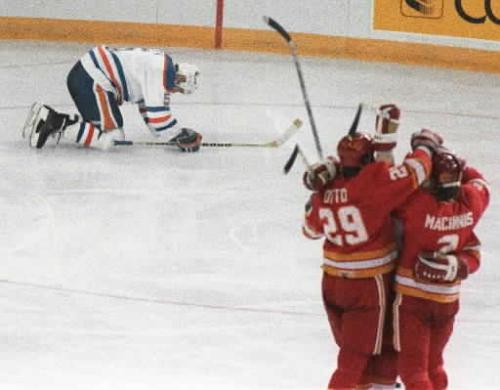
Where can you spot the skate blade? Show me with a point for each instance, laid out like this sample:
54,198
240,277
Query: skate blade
29,126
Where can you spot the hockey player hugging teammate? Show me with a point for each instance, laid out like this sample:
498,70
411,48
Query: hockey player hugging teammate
105,78
350,208
440,251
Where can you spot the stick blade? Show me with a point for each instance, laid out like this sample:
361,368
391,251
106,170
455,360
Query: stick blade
291,160
355,122
278,27
288,133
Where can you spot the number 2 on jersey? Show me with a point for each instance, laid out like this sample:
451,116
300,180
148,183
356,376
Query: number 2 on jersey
449,243
346,227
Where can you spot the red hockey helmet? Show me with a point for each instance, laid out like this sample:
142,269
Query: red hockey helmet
447,171
355,150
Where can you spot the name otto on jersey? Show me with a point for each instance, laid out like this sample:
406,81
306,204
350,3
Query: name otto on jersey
336,195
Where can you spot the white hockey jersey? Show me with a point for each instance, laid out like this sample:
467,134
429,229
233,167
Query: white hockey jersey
141,76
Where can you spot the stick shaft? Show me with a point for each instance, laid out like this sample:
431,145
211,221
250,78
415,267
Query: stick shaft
285,136
204,144
293,50
304,158
317,143
291,160
355,122
297,151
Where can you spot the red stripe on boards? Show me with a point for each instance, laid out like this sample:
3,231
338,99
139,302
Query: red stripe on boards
219,16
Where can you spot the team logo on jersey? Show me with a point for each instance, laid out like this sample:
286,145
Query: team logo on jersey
422,8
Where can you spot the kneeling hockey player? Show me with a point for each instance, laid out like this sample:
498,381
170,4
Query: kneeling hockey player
105,78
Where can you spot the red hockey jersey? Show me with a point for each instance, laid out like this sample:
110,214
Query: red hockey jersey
431,225
353,214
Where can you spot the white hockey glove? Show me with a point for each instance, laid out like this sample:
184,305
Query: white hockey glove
439,267
386,127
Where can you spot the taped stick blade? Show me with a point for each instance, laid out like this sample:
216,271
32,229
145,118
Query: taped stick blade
288,133
291,160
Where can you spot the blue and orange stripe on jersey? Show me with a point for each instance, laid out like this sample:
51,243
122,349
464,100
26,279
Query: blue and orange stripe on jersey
109,64
159,118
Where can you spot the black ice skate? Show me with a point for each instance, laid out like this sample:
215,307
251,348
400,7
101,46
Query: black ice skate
42,122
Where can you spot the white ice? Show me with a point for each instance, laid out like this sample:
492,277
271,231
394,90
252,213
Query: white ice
145,268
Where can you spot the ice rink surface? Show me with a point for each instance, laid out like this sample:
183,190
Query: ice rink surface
146,268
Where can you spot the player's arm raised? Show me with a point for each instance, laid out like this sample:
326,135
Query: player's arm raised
395,184
423,143
476,189
386,125
386,132
320,174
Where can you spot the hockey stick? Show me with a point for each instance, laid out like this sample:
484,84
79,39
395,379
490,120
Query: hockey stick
355,122
291,159
287,134
296,152
293,50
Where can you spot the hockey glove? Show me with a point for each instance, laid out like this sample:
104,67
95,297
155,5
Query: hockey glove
439,267
188,140
320,174
426,138
386,127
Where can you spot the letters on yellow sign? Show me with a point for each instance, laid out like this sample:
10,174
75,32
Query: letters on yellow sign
456,18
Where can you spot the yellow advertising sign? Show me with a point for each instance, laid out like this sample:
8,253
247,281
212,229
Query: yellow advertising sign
455,18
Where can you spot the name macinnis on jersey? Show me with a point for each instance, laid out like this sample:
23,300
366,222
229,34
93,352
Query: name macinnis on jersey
452,222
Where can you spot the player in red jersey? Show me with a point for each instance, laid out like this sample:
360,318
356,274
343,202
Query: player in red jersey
440,250
351,208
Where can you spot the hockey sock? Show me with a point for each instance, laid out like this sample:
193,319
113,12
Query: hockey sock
83,133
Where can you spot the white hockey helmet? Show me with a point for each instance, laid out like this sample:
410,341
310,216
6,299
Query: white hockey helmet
187,76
